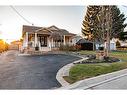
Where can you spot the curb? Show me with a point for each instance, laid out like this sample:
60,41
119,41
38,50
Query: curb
64,71
87,83
96,81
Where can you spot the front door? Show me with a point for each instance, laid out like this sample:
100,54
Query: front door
43,41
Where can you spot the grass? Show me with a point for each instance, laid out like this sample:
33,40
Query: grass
83,71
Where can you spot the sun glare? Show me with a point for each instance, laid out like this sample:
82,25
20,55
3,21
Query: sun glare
8,38
9,34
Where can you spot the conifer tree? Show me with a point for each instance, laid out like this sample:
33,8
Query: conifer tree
95,17
102,23
118,24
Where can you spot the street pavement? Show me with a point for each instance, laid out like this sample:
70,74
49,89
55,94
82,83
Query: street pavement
31,72
119,83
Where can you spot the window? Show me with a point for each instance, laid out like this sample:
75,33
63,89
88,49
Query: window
43,41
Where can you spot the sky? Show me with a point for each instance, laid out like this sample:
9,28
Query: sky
65,17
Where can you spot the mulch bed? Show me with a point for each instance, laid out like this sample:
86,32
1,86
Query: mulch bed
92,59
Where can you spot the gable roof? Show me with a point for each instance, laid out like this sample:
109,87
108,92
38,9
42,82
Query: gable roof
52,29
81,41
27,28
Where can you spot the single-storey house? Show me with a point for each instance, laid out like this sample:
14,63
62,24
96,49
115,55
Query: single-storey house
89,45
15,45
112,44
85,44
45,38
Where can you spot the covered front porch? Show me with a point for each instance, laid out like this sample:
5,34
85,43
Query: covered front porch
44,41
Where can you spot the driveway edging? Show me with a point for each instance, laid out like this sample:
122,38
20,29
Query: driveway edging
64,71
87,83
96,81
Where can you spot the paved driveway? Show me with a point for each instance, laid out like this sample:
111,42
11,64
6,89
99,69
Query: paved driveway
32,72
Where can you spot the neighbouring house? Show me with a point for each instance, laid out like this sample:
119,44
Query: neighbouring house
112,44
123,43
85,44
123,39
89,45
15,45
98,44
45,38
75,39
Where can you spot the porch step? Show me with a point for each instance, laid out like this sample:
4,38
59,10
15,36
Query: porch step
45,49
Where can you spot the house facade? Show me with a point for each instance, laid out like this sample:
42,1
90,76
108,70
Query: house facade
112,44
15,45
45,38
89,45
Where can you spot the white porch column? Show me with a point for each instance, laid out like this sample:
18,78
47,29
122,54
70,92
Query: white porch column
26,45
35,39
49,43
52,42
64,40
69,41
39,46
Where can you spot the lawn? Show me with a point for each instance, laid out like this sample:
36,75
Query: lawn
83,71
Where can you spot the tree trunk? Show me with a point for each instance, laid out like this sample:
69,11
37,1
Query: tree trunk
93,45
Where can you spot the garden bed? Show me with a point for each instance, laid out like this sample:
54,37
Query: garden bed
93,60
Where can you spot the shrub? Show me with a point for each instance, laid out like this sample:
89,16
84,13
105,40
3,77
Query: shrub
3,46
118,44
69,48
